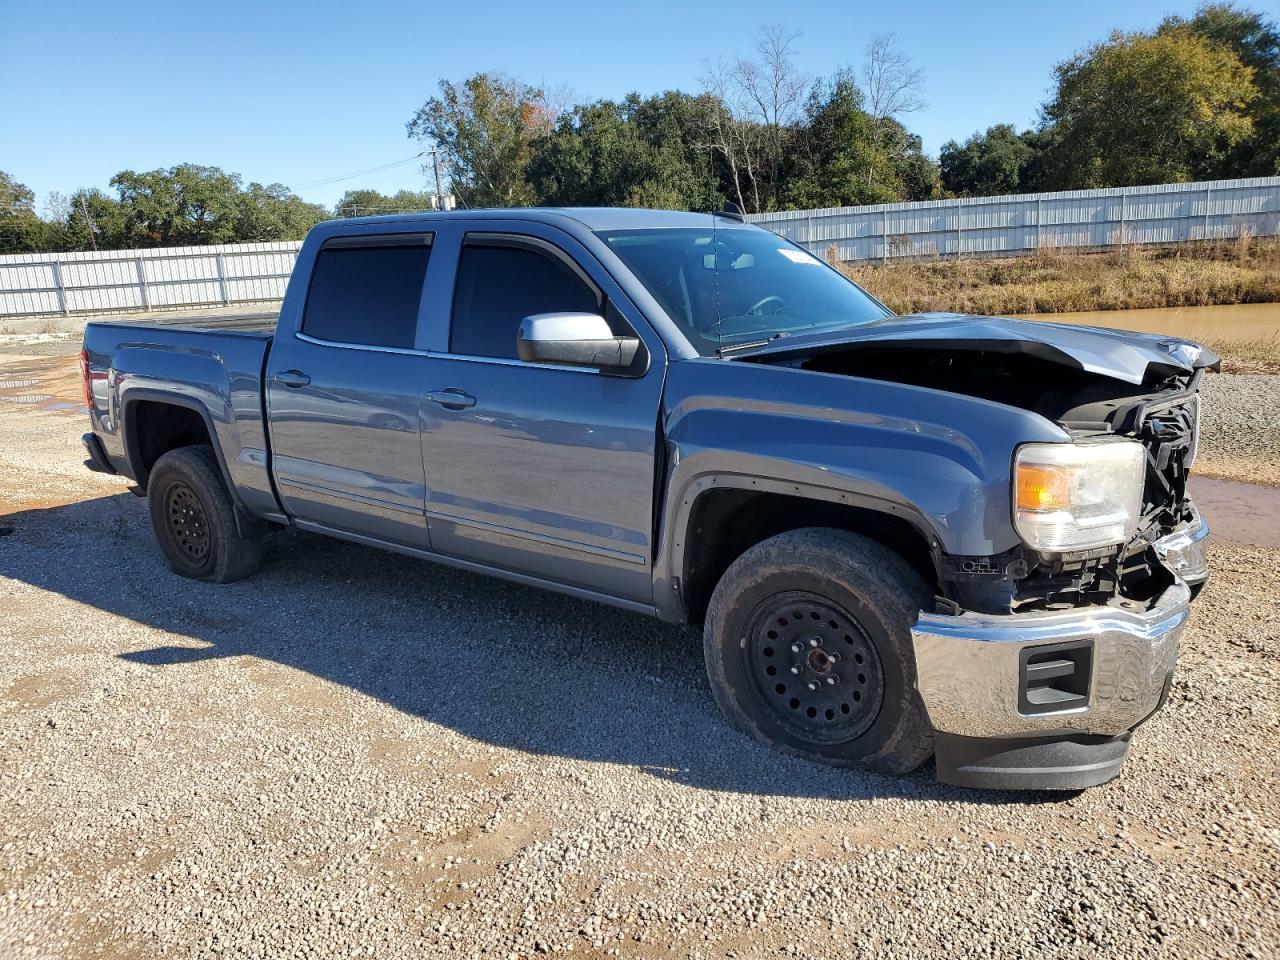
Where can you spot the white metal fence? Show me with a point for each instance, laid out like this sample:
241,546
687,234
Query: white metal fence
43,284
37,284
994,226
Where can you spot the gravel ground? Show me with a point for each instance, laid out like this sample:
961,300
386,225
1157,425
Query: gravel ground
1240,428
354,754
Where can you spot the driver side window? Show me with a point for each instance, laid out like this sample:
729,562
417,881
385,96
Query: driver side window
498,285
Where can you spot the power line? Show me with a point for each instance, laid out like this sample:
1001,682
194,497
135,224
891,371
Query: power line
359,173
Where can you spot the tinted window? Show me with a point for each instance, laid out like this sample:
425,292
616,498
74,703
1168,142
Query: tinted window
366,295
498,287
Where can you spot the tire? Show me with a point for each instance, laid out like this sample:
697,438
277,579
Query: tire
808,647
194,519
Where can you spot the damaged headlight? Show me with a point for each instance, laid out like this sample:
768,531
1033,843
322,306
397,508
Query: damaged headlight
1069,496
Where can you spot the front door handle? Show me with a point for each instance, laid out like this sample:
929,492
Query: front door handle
292,378
452,398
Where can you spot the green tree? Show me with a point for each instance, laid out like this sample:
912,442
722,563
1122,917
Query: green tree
637,152
987,164
836,157
184,205
368,203
274,213
97,214
21,230
484,126
1147,109
1255,40
917,176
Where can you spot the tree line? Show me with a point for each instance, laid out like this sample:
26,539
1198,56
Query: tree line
1194,98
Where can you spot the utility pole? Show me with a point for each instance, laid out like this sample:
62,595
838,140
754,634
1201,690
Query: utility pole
88,223
435,162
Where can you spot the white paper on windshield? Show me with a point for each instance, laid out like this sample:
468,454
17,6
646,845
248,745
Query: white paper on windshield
797,256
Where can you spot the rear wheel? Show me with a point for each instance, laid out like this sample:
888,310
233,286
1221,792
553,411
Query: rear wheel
808,648
194,519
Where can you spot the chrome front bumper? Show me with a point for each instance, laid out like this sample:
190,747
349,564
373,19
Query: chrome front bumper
971,666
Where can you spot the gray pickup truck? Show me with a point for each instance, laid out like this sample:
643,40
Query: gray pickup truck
909,536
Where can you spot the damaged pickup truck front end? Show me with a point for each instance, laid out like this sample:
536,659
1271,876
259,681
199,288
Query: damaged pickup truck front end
1038,661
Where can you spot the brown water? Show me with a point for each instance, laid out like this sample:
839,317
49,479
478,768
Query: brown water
1242,321
1244,513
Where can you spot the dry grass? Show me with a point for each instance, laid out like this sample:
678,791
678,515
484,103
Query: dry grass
1066,281
1260,355
1062,281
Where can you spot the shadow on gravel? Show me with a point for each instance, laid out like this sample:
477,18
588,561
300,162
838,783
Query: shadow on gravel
504,664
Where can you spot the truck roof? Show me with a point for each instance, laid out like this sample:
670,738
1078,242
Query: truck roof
593,218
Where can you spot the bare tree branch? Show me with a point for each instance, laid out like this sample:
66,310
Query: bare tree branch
757,103
893,85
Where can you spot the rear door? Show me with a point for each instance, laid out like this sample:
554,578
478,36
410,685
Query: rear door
540,469
343,391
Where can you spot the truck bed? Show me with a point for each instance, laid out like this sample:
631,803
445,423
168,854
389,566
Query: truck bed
209,364
259,324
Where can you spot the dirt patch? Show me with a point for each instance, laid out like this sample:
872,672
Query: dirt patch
42,689
41,383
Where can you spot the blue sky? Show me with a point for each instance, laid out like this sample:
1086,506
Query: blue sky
302,92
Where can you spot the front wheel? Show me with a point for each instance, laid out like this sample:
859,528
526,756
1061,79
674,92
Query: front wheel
194,519
808,648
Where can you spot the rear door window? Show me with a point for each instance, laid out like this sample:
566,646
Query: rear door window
367,291
498,285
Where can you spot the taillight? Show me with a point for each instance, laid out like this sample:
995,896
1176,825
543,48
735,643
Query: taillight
84,380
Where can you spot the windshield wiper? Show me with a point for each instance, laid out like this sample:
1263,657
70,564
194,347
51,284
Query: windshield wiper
750,344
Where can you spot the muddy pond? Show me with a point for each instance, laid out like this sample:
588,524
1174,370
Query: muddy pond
1243,321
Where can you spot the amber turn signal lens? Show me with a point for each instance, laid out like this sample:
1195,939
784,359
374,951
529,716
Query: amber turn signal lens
1043,488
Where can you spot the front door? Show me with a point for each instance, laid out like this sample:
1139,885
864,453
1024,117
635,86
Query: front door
343,392
535,468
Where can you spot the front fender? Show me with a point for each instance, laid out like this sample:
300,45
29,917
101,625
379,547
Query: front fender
940,461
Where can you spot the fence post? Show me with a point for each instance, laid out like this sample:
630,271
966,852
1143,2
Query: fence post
808,232
884,232
1124,198
1208,199
142,283
222,279
1039,209
959,228
61,291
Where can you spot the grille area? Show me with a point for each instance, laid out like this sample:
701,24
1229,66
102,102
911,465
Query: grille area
1169,434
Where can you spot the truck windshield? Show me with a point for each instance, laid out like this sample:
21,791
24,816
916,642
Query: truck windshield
731,287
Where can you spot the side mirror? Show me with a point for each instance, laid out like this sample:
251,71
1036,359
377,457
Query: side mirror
574,339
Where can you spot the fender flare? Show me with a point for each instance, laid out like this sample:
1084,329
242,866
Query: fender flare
669,573
246,523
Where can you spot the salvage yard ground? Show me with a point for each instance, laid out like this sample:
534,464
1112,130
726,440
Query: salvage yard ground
355,754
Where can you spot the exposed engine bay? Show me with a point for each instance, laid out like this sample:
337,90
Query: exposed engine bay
1162,412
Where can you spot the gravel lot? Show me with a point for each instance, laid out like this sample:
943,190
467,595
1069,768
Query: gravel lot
354,754
1240,424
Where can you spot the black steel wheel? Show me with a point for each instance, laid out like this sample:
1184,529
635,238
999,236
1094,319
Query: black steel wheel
195,521
814,667
808,648
188,522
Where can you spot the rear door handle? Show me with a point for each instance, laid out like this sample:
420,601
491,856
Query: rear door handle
292,378
452,398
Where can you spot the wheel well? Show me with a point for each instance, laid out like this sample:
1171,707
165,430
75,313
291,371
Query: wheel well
725,523
156,427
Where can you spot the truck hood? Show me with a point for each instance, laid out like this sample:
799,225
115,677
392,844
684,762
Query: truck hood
1120,354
